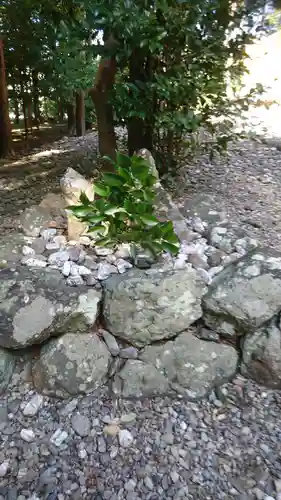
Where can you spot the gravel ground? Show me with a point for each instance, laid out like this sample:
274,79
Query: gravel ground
227,447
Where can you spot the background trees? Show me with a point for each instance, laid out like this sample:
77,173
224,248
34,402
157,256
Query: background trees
162,68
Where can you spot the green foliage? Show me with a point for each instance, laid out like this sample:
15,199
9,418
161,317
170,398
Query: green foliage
189,54
124,211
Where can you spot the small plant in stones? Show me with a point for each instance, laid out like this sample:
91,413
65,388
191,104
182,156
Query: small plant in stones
124,210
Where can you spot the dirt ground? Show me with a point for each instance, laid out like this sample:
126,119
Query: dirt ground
246,183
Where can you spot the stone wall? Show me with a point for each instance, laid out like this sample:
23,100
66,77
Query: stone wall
181,326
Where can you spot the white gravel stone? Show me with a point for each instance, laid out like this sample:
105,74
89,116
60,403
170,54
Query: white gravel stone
52,245
58,437
105,270
58,258
33,406
180,262
48,234
123,265
66,268
34,262
27,435
4,467
148,483
74,280
103,252
84,271
123,252
26,250
125,438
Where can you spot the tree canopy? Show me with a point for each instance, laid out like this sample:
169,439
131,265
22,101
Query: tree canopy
162,68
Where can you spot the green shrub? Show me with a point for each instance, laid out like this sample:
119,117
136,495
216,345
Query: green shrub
124,211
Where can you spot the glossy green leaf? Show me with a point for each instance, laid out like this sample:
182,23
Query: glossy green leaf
101,189
94,219
112,179
84,199
80,210
99,229
149,220
170,247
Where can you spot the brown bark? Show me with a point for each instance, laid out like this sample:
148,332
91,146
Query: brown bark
36,105
60,104
5,124
70,109
140,131
80,113
16,106
29,112
100,95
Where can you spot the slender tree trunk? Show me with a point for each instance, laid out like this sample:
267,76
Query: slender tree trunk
16,106
5,124
29,112
80,113
100,95
24,111
70,109
140,131
36,105
60,110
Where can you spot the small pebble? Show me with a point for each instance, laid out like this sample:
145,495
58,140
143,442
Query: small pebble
27,435
125,438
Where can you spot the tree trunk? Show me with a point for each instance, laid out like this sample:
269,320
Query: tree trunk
80,113
140,131
36,105
70,109
16,106
105,124
29,112
140,135
5,124
24,111
60,105
100,95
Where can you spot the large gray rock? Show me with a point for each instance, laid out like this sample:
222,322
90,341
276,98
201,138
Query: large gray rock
230,237
145,306
138,379
245,295
72,185
204,206
261,356
35,304
71,364
188,366
11,248
33,219
7,363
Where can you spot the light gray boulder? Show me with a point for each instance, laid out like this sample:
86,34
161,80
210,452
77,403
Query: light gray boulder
187,366
138,379
72,185
230,237
11,248
142,307
261,356
7,364
205,207
36,304
245,295
34,219
75,363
